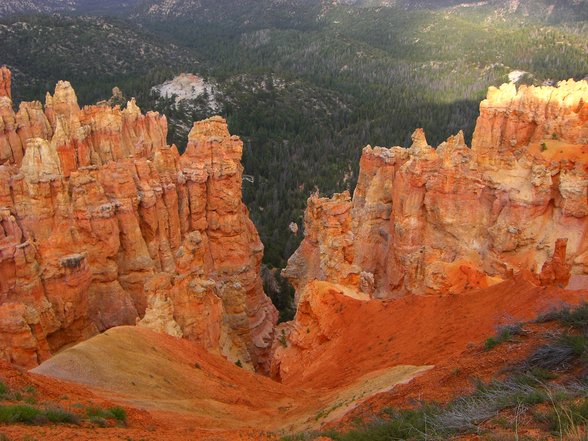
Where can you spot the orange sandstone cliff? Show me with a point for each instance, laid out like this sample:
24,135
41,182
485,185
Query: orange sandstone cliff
444,220
503,223
104,224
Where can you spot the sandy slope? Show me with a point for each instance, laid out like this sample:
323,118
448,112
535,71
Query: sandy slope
159,373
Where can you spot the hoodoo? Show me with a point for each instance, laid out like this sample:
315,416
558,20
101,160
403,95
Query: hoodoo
447,221
444,220
104,224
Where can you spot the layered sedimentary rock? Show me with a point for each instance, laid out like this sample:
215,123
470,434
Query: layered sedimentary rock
441,221
444,220
103,224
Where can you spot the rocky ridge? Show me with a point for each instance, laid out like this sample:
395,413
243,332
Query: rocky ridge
428,221
104,224
509,213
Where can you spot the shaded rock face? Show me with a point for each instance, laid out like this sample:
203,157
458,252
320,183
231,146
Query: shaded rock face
103,224
5,82
445,220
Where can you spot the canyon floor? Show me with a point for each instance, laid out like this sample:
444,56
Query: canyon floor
173,389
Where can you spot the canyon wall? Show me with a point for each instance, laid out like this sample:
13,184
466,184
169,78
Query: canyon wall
445,220
505,220
104,224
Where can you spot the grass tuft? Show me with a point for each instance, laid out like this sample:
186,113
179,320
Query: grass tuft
566,418
505,333
571,317
560,353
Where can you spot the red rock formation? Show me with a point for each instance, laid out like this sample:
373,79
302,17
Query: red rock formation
556,271
101,221
426,220
442,221
5,79
511,118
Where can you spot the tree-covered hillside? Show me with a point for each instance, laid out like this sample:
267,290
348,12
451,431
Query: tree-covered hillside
94,54
380,71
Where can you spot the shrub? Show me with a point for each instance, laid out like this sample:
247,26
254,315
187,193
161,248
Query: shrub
3,390
565,417
465,414
505,333
119,414
282,339
560,353
30,390
59,415
99,421
402,424
491,343
32,415
96,412
535,376
114,413
304,436
575,318
19,414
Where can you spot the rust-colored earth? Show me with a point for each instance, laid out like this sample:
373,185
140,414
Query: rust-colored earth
173,389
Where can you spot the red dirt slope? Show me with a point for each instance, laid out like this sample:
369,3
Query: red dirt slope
336,338
175,390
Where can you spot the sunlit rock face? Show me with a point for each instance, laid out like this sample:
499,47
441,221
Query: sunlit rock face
445,220
511,119
103,224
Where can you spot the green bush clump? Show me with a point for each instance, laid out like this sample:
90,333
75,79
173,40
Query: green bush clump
19,414
96,414
119,414
59,415
505,333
